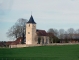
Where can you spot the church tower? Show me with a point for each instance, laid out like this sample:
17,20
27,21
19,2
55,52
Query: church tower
30,30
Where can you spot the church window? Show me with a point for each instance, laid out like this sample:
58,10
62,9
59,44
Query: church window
29,25
28,32
34,25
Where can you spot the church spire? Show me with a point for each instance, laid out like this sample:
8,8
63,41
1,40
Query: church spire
31,20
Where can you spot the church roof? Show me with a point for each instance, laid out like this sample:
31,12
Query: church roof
31,20
41,33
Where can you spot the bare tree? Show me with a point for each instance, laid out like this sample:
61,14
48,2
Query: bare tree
55,32
66,36
61,34
77,31
71,32
18,29
77,34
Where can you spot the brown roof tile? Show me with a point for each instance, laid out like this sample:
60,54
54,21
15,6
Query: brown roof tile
17,41
41,33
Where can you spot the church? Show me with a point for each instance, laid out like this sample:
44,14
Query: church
35,36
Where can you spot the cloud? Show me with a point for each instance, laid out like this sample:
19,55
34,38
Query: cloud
59,10
47,13
11,16
6,4
45,5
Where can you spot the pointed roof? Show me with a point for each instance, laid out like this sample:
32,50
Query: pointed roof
31,20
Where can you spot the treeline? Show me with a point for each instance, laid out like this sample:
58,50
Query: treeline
62,34
19,30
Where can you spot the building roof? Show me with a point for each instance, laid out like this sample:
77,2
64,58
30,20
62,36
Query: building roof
17,41
41,33
31,20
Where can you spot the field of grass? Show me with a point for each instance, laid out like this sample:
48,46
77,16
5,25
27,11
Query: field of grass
66,52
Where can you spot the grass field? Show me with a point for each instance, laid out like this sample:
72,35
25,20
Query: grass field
67,52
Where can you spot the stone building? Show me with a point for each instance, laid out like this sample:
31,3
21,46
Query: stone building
35,36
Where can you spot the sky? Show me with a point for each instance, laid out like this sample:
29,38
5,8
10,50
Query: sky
59,14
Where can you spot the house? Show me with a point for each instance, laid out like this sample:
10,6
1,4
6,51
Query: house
70,38
17,41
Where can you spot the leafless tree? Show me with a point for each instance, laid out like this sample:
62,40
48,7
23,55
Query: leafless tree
61,34
77,34
71,31
77,31
55,32
18,29
66,36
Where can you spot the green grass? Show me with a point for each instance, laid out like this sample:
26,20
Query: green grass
66,52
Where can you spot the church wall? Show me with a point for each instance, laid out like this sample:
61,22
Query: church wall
44,39
30,33
31,45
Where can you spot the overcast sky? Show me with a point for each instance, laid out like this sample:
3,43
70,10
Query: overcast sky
46,13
